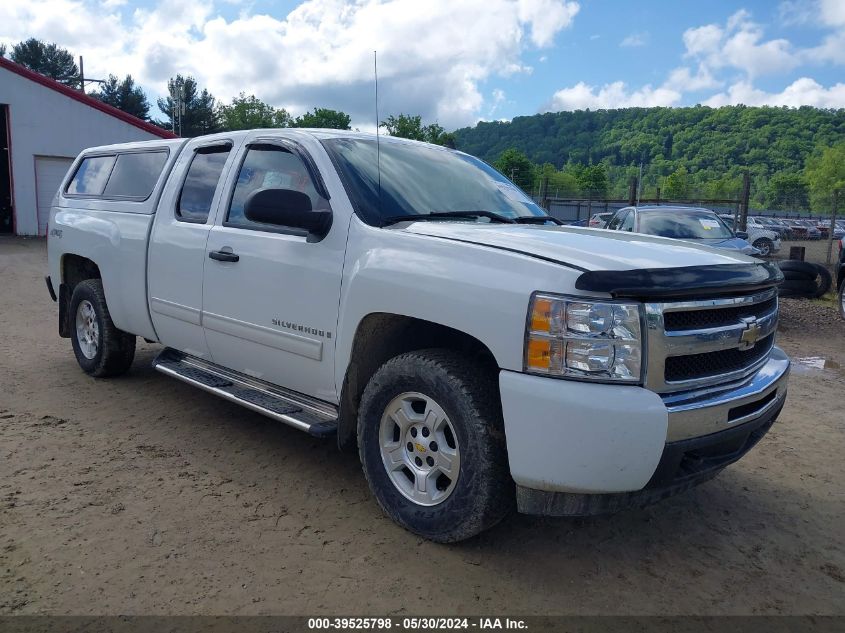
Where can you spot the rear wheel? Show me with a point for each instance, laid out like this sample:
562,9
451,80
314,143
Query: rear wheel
101,349
432,445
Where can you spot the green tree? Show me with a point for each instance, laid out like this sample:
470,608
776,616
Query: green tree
560,182
198,113
407,126
592,180
2,50
249,112
516,166
448,139
714,145
825,173
48,60
124,95
788,191
325,118
676,185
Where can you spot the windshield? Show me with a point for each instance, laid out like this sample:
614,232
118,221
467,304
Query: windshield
684,225
422,179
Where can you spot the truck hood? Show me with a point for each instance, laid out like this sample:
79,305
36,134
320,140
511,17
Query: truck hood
583,248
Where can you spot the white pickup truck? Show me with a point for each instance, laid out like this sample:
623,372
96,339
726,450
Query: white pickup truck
411,301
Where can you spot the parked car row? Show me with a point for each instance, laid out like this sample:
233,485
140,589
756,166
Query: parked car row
765,240
785,228
694,224
800,229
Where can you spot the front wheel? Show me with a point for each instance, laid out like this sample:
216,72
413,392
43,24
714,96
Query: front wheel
100,348
432,445
765,246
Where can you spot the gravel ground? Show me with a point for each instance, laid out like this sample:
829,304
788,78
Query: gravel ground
142,495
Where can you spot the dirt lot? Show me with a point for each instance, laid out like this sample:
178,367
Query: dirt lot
143,495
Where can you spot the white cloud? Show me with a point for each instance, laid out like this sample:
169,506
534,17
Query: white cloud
832,12
803,91
614,95
715,52
634,40
792,12
824,13
683,79
432,55
739,44
546,18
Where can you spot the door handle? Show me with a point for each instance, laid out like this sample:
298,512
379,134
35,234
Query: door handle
223,256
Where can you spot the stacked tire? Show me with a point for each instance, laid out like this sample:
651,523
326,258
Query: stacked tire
803,279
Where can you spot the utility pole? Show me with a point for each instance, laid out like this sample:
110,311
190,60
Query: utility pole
632,190
82,79
639,183
177,107
746,196
832,224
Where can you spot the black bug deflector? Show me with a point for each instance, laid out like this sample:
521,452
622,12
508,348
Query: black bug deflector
721,279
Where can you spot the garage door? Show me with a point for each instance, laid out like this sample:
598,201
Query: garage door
49,173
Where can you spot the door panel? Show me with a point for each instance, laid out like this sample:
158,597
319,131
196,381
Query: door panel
178,246
272,313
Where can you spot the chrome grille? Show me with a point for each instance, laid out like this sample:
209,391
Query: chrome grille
695,319
708,341
716,363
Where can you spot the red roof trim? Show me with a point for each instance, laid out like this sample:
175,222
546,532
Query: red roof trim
83,98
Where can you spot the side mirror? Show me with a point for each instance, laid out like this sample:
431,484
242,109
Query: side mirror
743,235
287,207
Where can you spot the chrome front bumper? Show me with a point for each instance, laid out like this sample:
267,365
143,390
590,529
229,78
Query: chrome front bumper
713,409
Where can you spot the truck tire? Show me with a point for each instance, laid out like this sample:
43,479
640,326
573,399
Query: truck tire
100,348
842,299
799,288
764,245
824,280
805,269
432,445
797,275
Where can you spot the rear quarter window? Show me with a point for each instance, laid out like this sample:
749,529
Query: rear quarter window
135,175
91,176
130,175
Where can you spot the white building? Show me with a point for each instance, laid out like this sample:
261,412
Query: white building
43,126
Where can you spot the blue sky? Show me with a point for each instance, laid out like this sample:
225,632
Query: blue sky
458,61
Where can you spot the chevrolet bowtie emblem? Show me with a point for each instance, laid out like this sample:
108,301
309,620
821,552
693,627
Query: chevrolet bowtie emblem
750,334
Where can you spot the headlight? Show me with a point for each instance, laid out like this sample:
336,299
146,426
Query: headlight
574,338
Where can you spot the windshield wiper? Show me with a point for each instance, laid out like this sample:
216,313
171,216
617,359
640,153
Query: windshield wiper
440,215
537,219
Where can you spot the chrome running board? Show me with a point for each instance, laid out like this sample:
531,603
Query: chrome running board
294,409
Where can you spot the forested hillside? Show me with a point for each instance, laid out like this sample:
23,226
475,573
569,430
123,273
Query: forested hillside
706,149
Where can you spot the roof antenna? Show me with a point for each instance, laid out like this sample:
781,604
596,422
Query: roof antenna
378,143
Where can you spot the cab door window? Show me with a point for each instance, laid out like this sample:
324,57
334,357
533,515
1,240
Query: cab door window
268,167
617,219
200,183
628,222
